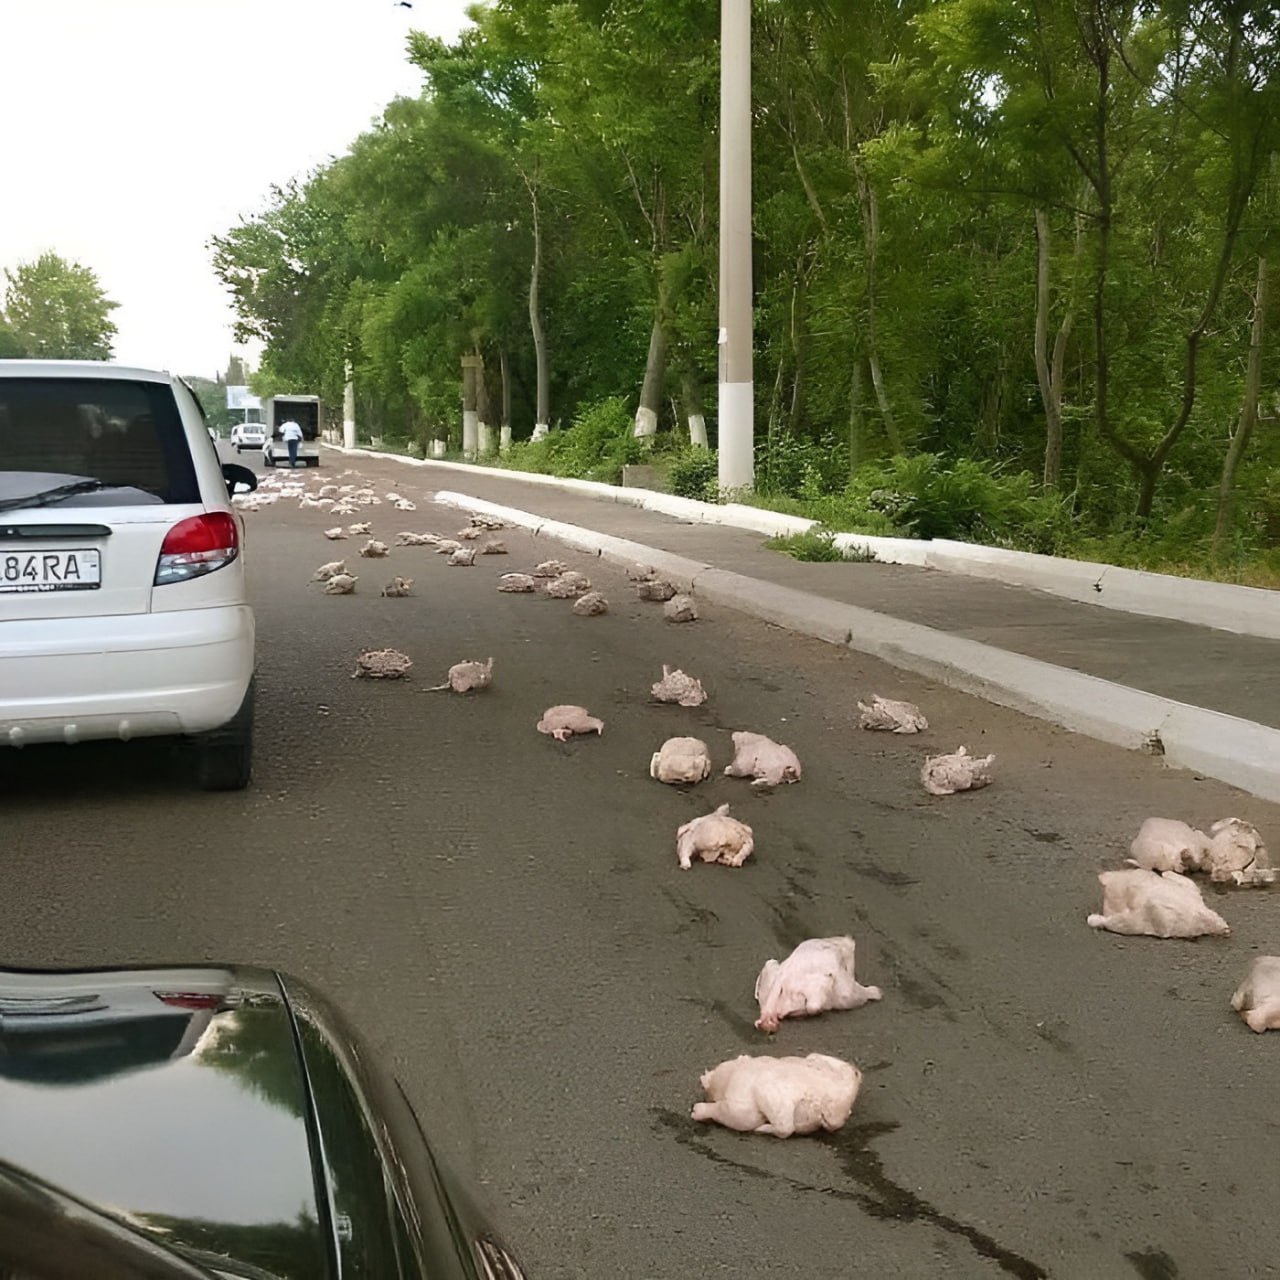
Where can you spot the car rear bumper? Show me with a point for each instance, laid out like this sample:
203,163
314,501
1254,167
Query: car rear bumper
72,680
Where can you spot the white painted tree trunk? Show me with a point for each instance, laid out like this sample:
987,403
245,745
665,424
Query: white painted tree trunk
698,429
485,439
540,431
349,410
504,440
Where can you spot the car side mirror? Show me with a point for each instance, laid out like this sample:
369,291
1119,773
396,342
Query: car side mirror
235,475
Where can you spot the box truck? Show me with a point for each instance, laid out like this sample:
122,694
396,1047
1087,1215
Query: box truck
305,411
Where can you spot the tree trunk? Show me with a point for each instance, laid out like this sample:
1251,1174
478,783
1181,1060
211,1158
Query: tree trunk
871,236
504,427
1248,413
856,413
655,369
693,407
1049,368
543,415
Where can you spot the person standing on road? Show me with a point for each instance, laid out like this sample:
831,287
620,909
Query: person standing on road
291,434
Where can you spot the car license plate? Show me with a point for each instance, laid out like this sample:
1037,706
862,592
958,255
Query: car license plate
78,570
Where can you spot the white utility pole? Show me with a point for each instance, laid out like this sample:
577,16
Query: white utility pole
737,388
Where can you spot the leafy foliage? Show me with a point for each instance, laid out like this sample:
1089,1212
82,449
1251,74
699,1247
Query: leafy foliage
970,217
55,310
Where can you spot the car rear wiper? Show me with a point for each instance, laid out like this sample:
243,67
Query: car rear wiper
47,497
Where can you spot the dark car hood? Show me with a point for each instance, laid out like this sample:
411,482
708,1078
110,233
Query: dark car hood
172,1100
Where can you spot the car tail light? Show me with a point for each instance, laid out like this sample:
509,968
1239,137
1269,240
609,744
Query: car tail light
197,546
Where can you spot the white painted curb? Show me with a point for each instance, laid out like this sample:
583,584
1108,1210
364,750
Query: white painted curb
1239,752
1221,606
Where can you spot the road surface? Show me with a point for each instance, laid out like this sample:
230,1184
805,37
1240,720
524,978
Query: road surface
504,917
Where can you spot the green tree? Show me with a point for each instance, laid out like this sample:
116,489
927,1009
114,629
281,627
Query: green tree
57,310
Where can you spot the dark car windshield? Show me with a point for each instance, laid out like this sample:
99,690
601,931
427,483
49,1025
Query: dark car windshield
128,436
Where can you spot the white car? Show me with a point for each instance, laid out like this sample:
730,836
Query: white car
248,435
123,605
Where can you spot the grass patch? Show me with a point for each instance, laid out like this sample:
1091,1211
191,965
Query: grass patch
817,546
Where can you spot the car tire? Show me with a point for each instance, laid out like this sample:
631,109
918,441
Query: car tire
224,757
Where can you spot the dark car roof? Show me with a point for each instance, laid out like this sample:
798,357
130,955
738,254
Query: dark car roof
172,1100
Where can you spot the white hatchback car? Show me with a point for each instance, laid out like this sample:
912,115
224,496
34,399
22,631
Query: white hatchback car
123,604
248,435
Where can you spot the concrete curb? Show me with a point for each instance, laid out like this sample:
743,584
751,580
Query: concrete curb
1239,752
1222,606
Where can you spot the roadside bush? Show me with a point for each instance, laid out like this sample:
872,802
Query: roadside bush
695,473
927,496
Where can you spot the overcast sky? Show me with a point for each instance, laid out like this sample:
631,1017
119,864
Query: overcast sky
133,130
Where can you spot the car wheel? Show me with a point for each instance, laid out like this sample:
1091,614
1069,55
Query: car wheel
224,757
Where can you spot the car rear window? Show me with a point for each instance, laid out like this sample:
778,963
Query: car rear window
127,435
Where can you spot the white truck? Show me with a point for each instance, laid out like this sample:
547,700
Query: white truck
306,412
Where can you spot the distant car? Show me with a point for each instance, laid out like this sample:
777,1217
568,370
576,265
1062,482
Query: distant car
248,435
124,611
213,1123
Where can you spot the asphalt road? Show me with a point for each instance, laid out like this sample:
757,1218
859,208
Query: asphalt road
504,917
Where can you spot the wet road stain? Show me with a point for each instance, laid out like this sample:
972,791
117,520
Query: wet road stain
1153,1264
894,879
876,1193
695,917
743,1028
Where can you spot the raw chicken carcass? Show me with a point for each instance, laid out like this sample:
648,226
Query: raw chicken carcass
655,589
780,1096
568,585
758,757
341,584
329,491
680,609
681,761
1159,905
517,582
563,722
465,676
463,558
715,837
447,546
416,539
330,570
945,775
374,549
1257,998
677,687
494,547
470,533
358,529
590,605
815,977
382,664
897,717
550,569
398,587
1165,844
1236,854
334,534
403,504
640,573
